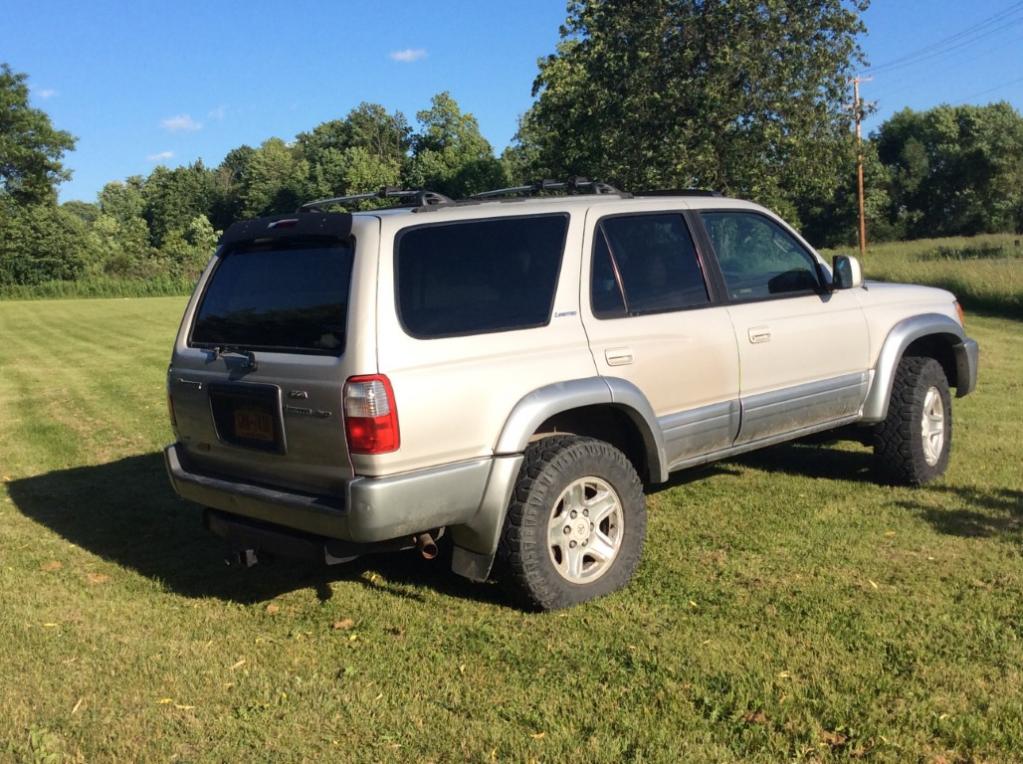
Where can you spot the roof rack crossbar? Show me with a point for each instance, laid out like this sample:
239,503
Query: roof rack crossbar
423,198
678,192
572,185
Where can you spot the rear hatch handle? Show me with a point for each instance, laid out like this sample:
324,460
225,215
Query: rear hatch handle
221,350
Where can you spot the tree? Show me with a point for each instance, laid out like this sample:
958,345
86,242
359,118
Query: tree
187,251
744,96
449,154
121,248
123,201
956,170
30,148
229,180
376,142
277,180
832,219
39,242
173,198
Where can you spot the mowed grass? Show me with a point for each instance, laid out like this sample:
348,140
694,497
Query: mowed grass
786,607
985,272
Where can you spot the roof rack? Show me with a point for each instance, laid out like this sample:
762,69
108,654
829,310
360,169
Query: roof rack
572,185
679,192
423,198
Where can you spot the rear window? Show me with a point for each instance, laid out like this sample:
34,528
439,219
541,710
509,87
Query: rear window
279,298
479,276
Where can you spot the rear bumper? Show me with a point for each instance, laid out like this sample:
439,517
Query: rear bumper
967,360
373,509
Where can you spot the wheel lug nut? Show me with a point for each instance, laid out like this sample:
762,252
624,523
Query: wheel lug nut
574,514
571,545
567,530
586,512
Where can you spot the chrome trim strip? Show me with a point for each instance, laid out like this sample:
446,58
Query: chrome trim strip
753,445
808,404
699,430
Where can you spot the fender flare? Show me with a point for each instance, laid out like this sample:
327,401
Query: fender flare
544,402
476,540
901,336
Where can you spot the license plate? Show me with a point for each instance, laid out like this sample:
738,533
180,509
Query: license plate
253,425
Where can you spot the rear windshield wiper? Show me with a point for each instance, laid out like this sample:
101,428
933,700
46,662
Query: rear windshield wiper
222,350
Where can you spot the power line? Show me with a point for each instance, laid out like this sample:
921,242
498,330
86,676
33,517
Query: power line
902,85
965,37
991,90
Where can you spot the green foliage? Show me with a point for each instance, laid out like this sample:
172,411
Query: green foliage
40,242
276,180
120,248
449,154
30,148
188,250
745,96
955,170
123,201
173,198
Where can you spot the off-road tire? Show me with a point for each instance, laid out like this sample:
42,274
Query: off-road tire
524,565
899,455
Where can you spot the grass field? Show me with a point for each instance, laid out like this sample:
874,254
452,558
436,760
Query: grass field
786,607
985,272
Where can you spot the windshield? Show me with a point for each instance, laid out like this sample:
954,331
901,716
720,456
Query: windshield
277,298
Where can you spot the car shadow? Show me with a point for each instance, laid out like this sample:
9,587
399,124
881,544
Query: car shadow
983,513
126,512
812,458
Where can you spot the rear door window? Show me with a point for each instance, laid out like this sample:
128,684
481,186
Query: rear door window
645,264
479,276
283,298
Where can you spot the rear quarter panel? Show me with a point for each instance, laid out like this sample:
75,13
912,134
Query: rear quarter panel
454,394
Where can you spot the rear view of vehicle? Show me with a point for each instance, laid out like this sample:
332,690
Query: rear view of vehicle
261,368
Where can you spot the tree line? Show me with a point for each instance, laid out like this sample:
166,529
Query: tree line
747,97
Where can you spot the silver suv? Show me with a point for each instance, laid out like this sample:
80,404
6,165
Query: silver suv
511,370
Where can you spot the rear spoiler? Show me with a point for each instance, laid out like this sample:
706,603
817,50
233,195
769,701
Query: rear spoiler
331,225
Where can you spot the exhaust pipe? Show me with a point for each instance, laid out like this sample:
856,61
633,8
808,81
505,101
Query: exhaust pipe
426,546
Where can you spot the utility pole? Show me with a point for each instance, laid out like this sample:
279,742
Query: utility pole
858,113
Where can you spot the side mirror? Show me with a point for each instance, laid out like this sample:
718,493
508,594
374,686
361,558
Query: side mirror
846,272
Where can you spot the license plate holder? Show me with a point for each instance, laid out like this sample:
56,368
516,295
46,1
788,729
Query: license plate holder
248,415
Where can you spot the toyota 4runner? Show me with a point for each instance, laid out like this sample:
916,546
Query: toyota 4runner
511,369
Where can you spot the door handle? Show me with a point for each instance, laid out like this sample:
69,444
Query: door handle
758,334
618,356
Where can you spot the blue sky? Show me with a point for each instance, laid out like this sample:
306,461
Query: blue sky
140,83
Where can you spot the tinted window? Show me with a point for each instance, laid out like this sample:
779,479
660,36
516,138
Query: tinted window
651,258
479,276
758,257
280,298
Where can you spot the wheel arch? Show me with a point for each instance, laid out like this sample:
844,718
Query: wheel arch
582,404
608,408
931,334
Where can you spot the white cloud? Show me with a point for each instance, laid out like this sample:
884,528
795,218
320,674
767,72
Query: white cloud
180,123
218,113
408,55
45,93
161,156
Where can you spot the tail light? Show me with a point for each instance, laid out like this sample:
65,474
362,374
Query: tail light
371,418
960,313
170,410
